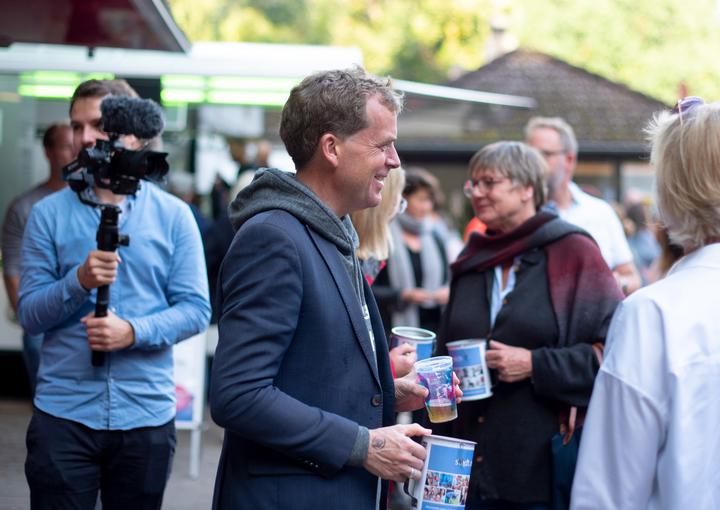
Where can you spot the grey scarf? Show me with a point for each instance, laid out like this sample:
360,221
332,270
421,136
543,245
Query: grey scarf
400,270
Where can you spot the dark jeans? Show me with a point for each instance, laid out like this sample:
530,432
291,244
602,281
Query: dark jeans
67,463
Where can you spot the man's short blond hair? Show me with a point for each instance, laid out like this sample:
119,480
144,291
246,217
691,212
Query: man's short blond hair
685,154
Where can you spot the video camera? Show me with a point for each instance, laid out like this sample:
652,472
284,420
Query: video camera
109,164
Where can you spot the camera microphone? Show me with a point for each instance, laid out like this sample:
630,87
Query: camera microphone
132,116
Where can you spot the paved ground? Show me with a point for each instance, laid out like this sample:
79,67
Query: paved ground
182,493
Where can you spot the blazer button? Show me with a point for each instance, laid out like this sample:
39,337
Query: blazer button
481,419
505,301
479,459
376,400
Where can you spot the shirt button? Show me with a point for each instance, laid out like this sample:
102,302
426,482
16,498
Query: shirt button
376,400
481,419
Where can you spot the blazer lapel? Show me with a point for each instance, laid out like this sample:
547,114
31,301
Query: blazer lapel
332,258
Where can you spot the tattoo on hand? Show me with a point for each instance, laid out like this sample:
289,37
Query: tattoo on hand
378,443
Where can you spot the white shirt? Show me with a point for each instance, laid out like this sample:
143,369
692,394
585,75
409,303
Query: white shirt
598,218
498,295
652,435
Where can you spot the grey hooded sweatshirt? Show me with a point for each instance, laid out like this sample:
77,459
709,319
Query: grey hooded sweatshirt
273,189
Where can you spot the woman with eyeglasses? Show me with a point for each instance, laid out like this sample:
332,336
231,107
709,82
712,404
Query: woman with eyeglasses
538,289
651,437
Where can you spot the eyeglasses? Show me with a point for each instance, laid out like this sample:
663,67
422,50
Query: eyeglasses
481,185
550,154
685,105
402,205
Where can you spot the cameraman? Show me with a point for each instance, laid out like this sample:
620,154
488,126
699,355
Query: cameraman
108,428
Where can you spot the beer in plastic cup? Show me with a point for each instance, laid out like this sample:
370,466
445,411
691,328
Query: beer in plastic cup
436,374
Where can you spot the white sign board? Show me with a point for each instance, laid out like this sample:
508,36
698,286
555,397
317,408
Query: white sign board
190,365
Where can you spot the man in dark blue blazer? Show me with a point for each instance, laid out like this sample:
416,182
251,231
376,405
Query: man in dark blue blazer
301,380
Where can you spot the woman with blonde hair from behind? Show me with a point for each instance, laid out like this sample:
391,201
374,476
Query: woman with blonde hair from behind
373,225
373,229
650,439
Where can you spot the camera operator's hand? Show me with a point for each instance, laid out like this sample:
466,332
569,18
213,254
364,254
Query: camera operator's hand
109,333
100,268
392,455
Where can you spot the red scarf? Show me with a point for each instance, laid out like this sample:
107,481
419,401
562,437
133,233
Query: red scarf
583,290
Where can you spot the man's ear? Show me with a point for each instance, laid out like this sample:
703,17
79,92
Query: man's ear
329,148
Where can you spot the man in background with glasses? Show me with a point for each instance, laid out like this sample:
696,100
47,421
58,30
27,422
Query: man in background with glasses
555,139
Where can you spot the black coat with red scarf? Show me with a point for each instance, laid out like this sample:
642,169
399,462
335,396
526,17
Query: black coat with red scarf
562,303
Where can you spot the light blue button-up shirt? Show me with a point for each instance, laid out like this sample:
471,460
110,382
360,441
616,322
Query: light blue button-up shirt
161,290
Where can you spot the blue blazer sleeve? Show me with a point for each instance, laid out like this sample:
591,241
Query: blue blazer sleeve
261,294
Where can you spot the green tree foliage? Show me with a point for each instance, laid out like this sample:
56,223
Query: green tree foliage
411,39
650,45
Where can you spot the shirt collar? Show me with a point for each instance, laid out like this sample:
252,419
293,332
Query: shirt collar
127,199
707,256
577,195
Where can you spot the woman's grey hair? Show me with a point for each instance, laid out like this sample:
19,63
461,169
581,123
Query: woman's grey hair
685,154
331,102
517,161
561,127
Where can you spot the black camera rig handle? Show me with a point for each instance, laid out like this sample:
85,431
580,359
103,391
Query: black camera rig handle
108,238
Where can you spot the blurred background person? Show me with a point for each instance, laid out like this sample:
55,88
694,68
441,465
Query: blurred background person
57,143
650,435
539,290
182,185
642,240
262,156
440,223
412,289
217,241
555,139
373,229
669,254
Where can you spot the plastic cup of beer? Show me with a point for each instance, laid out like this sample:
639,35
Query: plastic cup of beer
436,374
